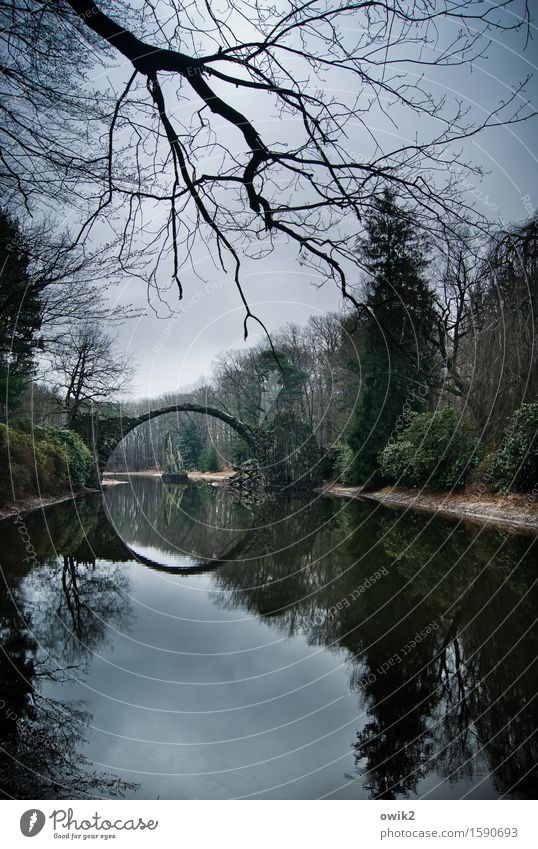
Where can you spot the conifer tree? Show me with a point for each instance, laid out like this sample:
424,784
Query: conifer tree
397,360
21,310
190,445
209,461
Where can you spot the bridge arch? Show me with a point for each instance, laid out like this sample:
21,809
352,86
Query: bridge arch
104,434
286,449
247,432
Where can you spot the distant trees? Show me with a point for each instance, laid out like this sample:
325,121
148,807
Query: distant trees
312,370
190,442
238,376
141,448
502,354
39,403
331,385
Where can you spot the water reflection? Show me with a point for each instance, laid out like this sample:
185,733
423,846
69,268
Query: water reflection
428,621
177,526
459,701
54,613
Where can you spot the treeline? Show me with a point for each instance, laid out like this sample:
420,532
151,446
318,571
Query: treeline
447,357
430,380
56,357
311,377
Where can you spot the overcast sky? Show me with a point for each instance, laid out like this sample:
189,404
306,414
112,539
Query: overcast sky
174,352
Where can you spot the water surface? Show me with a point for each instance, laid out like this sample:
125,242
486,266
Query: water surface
179,642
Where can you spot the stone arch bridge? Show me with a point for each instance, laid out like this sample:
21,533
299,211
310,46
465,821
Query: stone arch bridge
285,449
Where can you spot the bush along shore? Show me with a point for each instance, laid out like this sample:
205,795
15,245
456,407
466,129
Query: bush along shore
40,466
437,463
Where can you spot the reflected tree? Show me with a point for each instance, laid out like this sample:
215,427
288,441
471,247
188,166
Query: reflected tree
41,737
58,611
456,700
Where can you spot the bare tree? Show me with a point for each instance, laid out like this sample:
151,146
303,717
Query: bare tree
43,290
177,125
70,285
87,368
486,319
457,309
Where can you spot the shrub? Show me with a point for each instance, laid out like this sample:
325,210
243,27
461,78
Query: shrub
15,468
50,468
77,455
79,458
516,462
43,460
435,449
343,464
29,466
22,424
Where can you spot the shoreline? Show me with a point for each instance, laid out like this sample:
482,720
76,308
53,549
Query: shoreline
111,478
212,476
37,502
518,512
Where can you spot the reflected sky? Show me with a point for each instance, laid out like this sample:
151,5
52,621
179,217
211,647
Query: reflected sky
276,664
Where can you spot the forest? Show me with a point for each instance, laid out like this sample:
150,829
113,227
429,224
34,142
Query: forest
432,383
269,407
426,373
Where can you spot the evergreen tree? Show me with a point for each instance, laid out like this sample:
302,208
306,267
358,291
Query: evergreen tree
190,445
396,352
21,312
209,462
240,451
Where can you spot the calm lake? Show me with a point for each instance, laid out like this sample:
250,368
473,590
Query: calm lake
179,642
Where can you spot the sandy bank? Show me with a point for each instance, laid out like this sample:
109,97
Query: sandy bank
116,477
518,511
